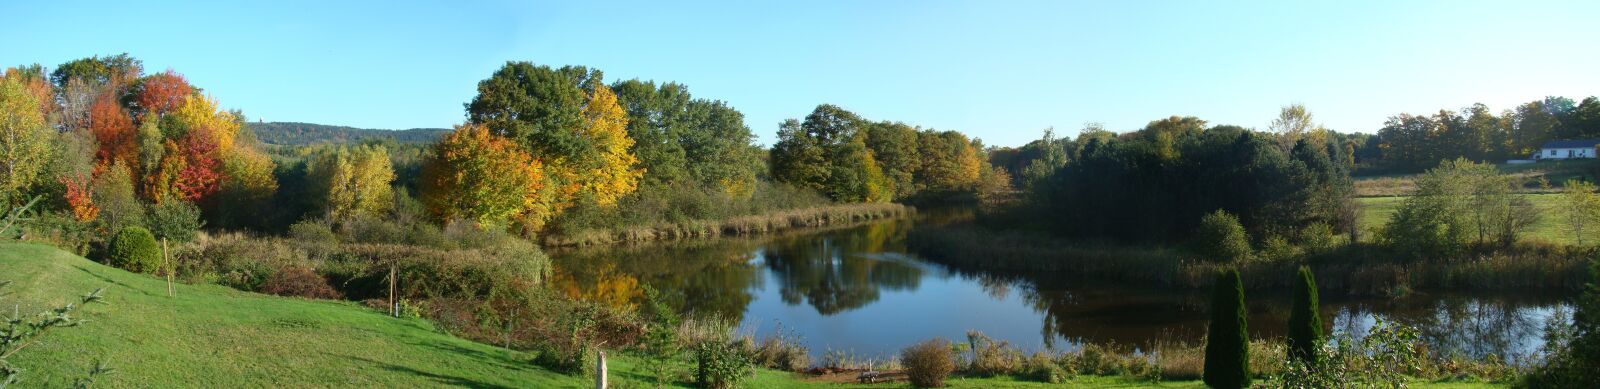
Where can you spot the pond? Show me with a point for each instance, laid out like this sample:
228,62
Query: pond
862,291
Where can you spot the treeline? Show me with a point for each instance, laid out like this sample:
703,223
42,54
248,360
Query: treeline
852,159
544,150
1416,142
112,146
1155,184
303,134
1406,143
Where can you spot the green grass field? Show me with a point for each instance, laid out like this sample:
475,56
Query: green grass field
211,336
1554,172
1550,227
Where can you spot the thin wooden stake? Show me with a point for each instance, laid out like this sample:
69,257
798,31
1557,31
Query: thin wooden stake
170,268
394,306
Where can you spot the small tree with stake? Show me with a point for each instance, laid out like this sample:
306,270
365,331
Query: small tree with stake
1227,343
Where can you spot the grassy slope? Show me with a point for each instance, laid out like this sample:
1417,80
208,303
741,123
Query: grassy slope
1376,210
212,336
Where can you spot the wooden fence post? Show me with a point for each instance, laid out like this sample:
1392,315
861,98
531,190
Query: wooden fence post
600,371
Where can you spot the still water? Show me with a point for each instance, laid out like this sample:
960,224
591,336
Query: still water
862,290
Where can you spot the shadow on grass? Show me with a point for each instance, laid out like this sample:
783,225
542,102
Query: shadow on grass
437,378
497,359
98,276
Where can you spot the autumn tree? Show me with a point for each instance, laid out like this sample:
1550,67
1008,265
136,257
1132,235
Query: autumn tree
615,173
201,114
247,185
474,175
1293,123
24,139
114,131
353,181
196,170
569,120
157,94
950,161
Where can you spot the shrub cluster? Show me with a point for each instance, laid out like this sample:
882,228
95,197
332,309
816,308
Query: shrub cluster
134,249
928,363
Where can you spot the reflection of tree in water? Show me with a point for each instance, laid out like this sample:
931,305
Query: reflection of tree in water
699,279
842,272
1512,329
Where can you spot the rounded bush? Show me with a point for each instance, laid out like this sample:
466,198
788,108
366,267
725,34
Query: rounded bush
928,363
1221,238
135,249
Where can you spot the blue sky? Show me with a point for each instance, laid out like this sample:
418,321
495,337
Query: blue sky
1000,70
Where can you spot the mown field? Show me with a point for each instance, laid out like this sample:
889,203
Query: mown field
1550,227
1554,172
212,336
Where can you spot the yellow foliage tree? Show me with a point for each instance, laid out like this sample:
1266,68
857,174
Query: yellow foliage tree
24,139
615,172
200,113
354,181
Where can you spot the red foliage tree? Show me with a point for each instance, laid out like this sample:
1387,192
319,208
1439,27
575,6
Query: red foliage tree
113,129
161,93
201,175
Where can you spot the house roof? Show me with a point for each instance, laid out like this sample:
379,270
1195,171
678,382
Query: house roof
1571,144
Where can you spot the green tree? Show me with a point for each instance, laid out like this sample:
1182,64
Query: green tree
894,145
134,249
657,118
114,194
174,219
1052,156
1305,323
24,140
1227,363
1456,204
798,159
1580,205
1221,238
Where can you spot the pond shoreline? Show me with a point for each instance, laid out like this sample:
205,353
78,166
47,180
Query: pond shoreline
1358,269
740,226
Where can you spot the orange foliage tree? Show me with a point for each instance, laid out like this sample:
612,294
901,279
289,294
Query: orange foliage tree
79,199
114,131
474,175
161,93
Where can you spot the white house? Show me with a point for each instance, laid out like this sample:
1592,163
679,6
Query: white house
1566,149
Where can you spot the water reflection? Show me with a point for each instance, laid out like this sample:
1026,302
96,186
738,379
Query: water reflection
860,289
841,272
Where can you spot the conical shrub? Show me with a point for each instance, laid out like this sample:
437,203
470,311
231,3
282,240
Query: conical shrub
1305,324
1227,343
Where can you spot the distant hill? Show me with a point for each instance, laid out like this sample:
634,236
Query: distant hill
297,134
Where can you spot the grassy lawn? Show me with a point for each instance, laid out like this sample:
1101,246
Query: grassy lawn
211,336
1550,227
1555,172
